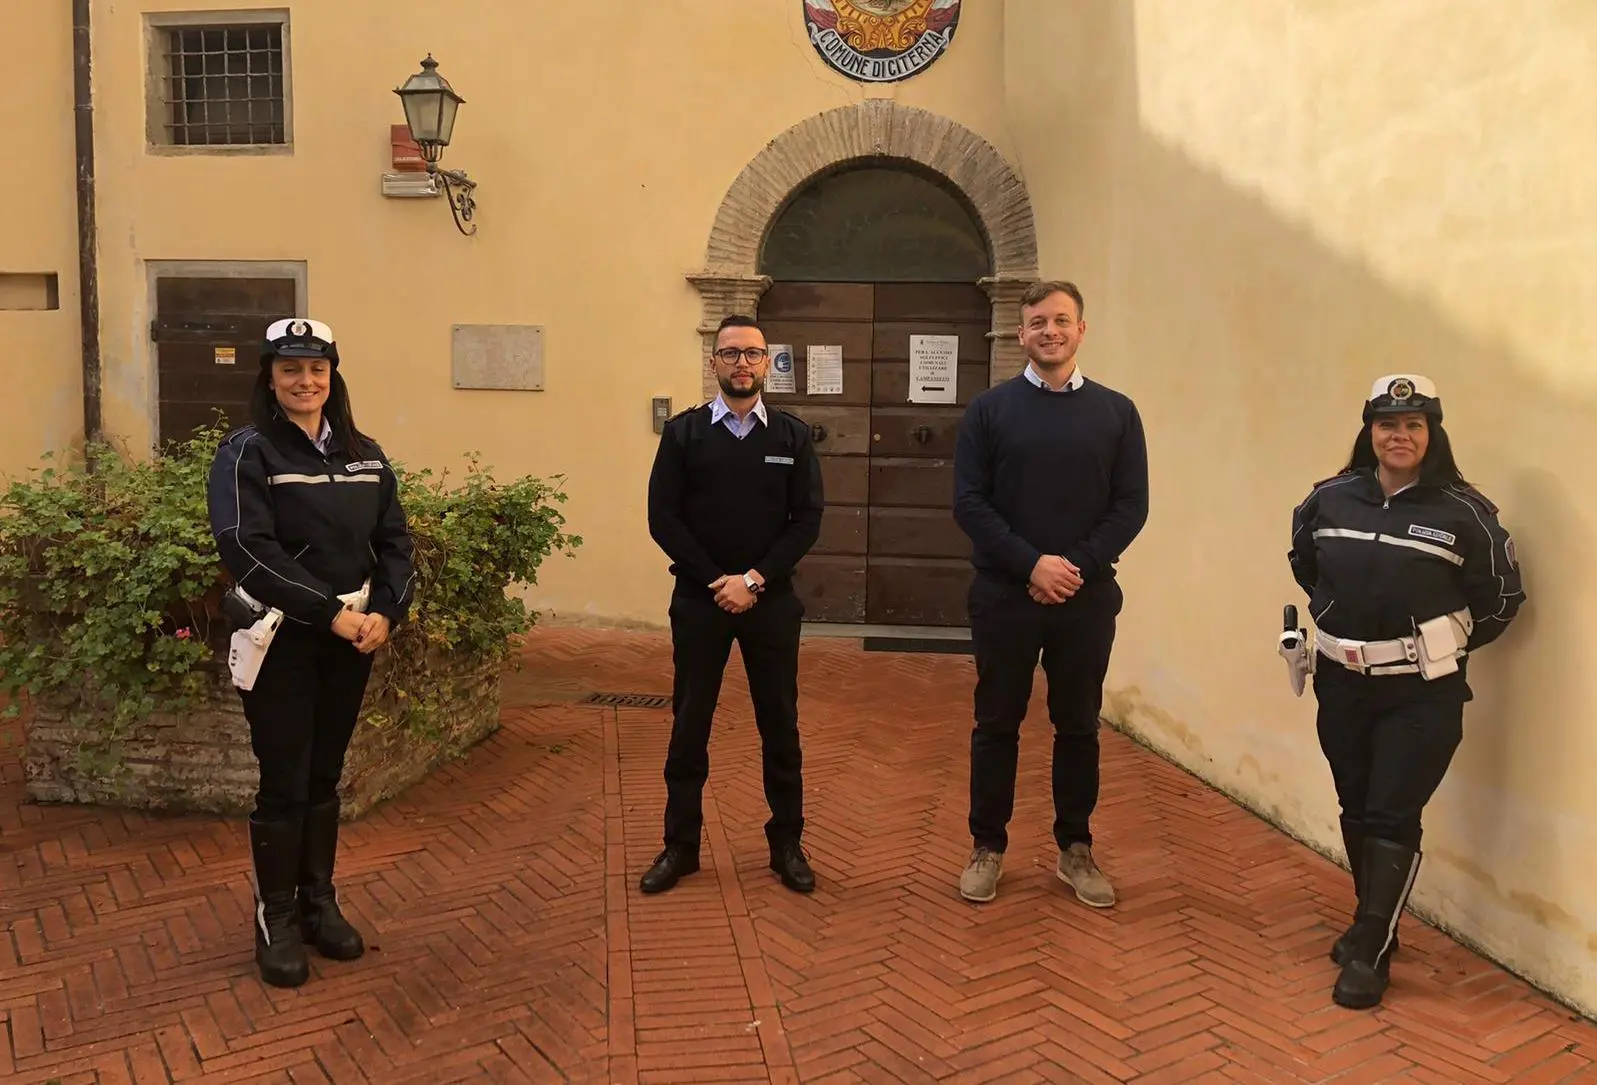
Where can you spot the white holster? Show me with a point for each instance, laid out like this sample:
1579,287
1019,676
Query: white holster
247,648
1294,648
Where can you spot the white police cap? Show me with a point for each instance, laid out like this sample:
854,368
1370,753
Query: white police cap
1397,393
299,337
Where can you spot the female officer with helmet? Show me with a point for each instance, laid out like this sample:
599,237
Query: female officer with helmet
306,515
1407,571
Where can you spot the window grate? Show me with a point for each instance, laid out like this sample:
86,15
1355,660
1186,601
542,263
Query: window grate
628,700
224,85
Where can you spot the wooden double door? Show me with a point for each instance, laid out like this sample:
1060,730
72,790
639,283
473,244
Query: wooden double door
889,552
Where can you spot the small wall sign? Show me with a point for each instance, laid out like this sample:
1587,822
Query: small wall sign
881,41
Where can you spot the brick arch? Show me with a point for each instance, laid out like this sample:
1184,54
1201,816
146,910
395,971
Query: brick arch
874,129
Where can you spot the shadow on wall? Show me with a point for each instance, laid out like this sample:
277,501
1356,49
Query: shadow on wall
1511,735
1249,343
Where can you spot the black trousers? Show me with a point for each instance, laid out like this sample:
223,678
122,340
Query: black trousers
1073,639
1389,740
767,635
302,713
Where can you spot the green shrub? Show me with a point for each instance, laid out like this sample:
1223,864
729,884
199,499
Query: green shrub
110,584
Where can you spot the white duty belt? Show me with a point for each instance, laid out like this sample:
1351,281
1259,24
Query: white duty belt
354,600
1398,656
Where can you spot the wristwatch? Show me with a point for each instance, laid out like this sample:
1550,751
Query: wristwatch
753,585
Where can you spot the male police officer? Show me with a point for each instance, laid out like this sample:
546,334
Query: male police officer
735,501
1051,485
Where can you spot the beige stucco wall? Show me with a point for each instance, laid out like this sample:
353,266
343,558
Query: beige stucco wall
38,235
1270,203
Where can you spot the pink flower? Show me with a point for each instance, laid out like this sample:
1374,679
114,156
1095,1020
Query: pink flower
185,633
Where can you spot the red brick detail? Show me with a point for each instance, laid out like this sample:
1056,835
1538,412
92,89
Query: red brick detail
405,150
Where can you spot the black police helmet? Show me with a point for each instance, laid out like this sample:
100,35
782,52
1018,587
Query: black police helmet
299,337
1399,393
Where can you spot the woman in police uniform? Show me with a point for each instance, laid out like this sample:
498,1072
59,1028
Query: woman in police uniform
307,519
1407,571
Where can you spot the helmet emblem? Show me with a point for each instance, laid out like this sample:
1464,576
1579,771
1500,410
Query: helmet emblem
299,327
1401,388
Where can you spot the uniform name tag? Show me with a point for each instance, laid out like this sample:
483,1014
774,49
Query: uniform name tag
1432,533
780,459
365,465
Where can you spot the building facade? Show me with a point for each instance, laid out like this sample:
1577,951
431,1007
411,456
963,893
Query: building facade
1267,203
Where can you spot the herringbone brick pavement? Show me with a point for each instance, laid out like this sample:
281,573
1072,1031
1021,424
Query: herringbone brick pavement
509,943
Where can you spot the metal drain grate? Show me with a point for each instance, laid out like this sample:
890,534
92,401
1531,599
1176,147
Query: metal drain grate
628,700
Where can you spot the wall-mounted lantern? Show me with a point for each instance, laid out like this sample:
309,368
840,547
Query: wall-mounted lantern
430,107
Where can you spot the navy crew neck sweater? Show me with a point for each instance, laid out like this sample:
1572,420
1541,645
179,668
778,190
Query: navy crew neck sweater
1042,472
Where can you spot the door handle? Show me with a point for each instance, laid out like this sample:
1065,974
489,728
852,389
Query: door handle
922,434
818,433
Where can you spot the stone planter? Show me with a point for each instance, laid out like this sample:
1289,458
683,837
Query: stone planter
200,761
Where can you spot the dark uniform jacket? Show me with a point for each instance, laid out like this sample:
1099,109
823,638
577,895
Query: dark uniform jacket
719,504
298,528
1374,566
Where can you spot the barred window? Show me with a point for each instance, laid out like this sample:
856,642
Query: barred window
223,85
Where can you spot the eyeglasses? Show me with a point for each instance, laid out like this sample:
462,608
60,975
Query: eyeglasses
730,355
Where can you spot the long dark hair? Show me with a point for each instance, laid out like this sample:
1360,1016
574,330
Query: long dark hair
264,410
1438,468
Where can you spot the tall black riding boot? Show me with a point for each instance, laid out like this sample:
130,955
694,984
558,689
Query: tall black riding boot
321,923
1389,871
1353,841
279,952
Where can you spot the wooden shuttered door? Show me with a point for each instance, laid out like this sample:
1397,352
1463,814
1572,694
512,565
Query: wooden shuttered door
889,552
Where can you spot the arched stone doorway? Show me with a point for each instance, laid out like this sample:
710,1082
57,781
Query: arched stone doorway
859,229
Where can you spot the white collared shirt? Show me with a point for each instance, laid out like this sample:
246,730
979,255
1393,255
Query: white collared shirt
1076,380
325,437
740,427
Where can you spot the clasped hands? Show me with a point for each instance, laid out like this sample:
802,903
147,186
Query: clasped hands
367,632
1053,580
732,595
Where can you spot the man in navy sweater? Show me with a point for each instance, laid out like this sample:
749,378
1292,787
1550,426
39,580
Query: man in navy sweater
735,501
1051,485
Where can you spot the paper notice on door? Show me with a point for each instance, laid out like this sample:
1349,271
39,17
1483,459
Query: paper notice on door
824,370
933,368
780,378
224,355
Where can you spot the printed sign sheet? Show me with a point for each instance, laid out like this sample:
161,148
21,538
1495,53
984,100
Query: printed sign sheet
824,370
933,368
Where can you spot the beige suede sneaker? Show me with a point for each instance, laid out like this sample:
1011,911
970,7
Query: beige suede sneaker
980,880
1077,870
